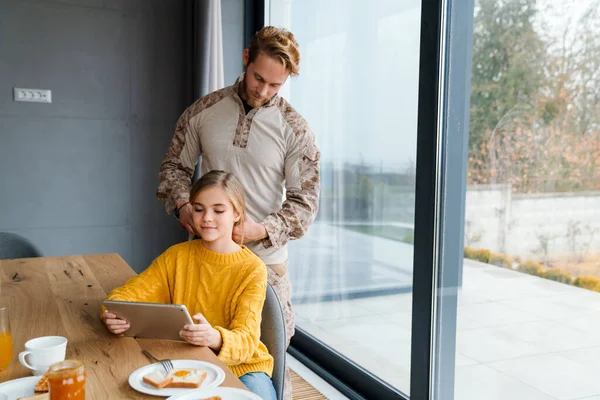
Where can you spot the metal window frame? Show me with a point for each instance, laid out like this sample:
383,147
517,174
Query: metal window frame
453,188
427,192
254,18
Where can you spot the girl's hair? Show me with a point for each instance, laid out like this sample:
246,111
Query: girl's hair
230,185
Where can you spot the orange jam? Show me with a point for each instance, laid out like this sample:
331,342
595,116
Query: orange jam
66,380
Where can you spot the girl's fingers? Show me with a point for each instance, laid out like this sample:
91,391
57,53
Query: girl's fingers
117,322
115,325
196,328
119,330
109,315
192,335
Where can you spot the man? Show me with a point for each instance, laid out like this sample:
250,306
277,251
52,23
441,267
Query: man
250,131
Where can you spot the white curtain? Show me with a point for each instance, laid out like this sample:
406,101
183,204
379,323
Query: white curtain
209,48
208,74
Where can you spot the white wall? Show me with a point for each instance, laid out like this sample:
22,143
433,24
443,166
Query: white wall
519,225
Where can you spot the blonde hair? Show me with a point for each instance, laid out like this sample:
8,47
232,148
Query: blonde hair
230,185
278,43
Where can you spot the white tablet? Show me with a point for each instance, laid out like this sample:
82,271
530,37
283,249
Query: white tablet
151,320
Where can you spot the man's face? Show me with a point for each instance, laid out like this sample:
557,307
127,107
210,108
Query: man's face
263,79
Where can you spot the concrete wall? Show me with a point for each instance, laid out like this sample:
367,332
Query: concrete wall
555,225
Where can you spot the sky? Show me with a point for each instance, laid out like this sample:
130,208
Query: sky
557,15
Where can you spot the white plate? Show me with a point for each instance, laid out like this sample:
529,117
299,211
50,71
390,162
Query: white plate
215,377
224,392
16,388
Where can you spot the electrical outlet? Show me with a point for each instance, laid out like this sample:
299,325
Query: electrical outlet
32,95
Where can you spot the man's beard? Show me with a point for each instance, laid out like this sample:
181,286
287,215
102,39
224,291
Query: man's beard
251,100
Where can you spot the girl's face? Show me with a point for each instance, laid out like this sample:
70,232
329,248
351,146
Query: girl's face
214,215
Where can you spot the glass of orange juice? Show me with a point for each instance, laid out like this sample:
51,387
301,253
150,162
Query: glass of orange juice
6,351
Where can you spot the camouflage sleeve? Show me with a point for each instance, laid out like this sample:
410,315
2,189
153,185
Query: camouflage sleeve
177,168
302,182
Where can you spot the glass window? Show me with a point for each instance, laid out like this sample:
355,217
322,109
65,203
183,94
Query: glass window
358,90
529,301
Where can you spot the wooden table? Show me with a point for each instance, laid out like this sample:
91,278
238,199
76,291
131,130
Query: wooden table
62,296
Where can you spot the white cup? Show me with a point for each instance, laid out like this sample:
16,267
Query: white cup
43,352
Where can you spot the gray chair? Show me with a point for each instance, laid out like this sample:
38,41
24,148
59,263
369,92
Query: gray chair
273,336
15,246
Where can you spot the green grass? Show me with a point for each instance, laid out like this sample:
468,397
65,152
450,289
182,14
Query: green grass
404,235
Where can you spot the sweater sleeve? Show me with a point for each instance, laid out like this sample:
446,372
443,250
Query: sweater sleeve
242,337
151,286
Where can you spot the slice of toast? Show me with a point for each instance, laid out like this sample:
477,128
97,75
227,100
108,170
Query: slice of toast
157,379
187,378
42,385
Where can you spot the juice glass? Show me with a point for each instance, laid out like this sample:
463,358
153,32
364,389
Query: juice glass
66,380
6,351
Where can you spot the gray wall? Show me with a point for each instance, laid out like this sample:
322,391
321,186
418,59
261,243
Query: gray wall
79,175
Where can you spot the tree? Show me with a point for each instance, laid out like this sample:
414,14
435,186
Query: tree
573,70
543,158
508,70
535,99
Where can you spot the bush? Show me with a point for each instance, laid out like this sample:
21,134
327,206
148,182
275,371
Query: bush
518,260
501,260
469,253
482,255
558,275
588,282
531,268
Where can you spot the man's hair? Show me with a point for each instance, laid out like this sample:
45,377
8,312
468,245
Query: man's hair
278,43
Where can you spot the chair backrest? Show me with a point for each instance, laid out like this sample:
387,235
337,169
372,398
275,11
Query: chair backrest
15,246
273,336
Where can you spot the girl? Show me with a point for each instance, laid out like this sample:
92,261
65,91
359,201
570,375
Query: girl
222,283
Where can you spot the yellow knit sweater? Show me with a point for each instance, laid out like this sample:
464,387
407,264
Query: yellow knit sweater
228,289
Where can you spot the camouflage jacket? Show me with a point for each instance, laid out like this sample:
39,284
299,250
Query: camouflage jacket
269,149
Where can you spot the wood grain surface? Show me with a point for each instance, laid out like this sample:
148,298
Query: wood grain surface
62,296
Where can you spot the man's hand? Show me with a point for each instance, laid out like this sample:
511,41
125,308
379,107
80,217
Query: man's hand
185,216
251,230
202,334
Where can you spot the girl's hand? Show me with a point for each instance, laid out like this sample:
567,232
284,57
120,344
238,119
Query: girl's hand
114,324
202,334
